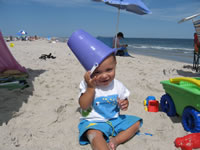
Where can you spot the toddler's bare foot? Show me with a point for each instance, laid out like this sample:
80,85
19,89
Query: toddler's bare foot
113,144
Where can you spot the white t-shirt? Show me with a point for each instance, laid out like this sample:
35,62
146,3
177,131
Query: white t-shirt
104,106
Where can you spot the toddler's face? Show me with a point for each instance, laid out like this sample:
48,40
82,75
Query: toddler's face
105,73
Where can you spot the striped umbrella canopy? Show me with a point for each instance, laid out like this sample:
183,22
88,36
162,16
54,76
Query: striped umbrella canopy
188,18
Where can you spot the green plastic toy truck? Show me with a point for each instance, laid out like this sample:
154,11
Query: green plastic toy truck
183,98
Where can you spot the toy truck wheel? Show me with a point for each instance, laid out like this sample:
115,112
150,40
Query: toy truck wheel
191,120
167,105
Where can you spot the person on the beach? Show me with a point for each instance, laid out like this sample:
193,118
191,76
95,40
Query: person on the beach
101,99
196,52
196,43
116,44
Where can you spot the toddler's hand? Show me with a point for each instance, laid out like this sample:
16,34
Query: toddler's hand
125,45
91,82
123,104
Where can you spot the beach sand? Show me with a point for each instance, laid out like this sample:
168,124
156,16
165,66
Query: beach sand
45,116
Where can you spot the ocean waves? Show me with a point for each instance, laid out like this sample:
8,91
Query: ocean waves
147,47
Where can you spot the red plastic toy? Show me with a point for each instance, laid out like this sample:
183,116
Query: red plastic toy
188,142
153,106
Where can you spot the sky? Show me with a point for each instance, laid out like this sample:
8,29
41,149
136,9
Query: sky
60,18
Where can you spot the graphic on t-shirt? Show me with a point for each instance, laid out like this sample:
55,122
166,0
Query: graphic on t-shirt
106,106
91,124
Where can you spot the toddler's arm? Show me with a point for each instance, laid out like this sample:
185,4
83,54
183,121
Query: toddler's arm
86,98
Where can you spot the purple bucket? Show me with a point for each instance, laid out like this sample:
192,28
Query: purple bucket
89,51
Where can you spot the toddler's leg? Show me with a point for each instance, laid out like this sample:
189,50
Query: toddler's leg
124,136
97,140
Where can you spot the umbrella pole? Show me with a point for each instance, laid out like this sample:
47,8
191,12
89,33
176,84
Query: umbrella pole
117,27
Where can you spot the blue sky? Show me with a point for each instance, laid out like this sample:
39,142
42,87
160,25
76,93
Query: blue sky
62,17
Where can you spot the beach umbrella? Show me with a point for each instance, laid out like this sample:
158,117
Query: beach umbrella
134,6
189,18
195,23
22,33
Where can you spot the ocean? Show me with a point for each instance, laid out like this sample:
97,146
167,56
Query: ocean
172,49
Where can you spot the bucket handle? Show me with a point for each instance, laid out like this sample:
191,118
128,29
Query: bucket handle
191,80
94,67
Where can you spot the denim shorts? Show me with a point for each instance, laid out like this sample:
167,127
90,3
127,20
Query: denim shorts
109,128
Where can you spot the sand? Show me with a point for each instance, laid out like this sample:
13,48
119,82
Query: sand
45,116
